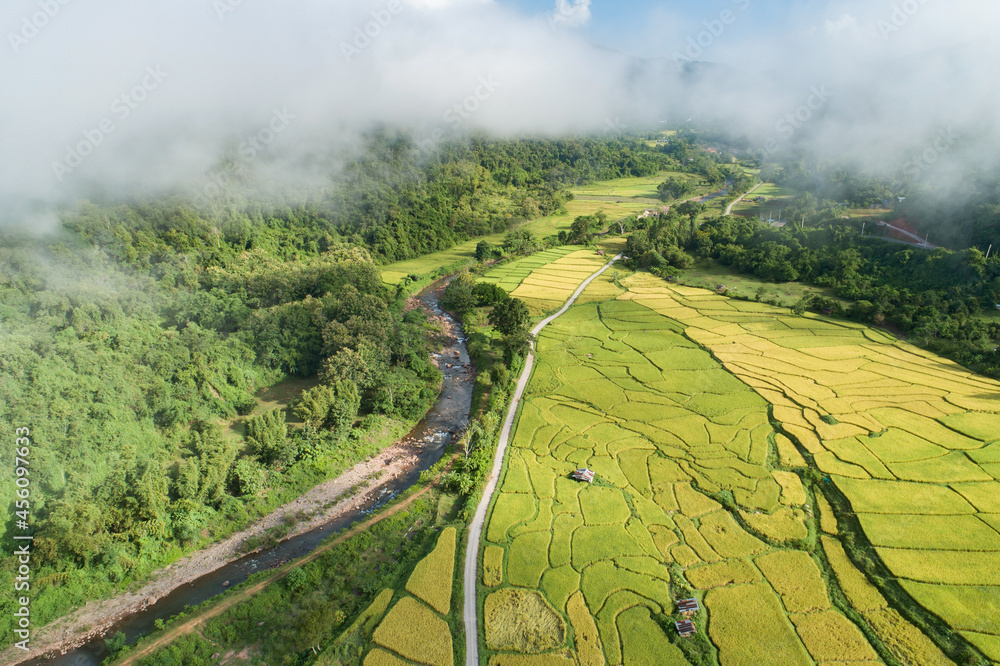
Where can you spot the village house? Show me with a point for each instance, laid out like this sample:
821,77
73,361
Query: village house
686,628
688,607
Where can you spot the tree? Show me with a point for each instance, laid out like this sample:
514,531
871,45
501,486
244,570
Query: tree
580,230
267,436
250,477
519,241
510,317
458,295
484,251
488,294
316,619
674,188
334,405
692,209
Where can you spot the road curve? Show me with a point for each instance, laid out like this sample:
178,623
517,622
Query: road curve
476,526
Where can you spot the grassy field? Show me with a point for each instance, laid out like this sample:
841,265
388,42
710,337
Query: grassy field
541,228
777,197
644,188
709,275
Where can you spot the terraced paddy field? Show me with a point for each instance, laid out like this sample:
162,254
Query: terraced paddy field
541,228
545,280
699,415
910,439
405,627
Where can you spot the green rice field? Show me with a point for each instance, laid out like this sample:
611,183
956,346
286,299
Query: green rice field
698,414
540,228
637,187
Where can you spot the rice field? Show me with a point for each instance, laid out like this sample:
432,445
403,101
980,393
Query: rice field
545,280
431,578
618,389
415,629
664,391
908,437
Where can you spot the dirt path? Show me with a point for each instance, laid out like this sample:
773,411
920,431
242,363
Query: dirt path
729,209
476,526
240,595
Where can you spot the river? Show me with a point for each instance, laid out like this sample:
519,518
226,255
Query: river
447,418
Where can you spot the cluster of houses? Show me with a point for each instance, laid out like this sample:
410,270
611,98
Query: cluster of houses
650,213
688,608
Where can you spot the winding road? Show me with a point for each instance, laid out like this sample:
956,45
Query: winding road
476,526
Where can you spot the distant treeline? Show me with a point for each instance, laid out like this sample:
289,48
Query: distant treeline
393,200
936,298
959,216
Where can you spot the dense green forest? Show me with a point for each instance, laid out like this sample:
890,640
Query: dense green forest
133,336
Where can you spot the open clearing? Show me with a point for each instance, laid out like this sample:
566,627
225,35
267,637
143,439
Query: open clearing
641,188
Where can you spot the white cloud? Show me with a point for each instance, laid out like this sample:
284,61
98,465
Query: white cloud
846,22
572,13
342,68
443,4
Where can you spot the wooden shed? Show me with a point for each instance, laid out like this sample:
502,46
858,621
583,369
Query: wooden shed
686,628
688,606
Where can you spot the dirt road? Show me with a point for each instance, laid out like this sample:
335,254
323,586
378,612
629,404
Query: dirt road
729,209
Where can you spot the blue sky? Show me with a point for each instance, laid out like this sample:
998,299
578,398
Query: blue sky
654,28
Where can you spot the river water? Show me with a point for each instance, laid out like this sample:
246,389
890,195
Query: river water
447,418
